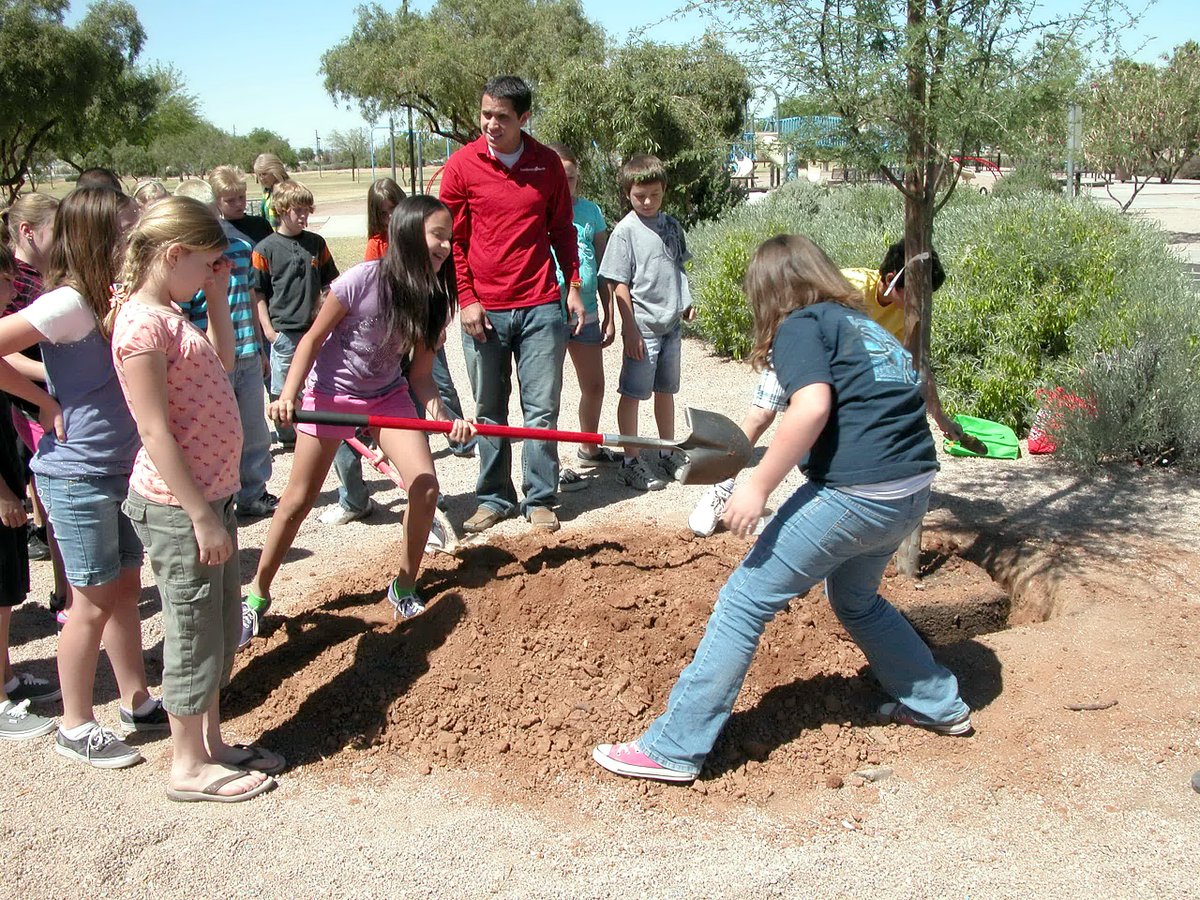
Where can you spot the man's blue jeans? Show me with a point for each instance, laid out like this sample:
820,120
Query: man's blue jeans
536,337
255,467
819,533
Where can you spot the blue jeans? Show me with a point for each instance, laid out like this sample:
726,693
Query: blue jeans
255,466
449,394
283,348
352,490
536,337
819,533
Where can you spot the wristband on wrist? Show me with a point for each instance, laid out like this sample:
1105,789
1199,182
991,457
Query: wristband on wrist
575,283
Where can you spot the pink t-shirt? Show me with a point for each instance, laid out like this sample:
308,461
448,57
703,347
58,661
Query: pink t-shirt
201,408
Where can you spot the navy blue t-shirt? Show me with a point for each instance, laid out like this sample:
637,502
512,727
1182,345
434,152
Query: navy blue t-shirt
877,429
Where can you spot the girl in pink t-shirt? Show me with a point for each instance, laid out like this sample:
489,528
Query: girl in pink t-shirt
183,483
374,317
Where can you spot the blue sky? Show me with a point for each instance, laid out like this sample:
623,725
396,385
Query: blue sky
239,90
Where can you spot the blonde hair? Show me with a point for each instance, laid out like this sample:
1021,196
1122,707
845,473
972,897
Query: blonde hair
197,189
172,221
270,164
34,210
290,195
226,179
87,241
789,272
147,191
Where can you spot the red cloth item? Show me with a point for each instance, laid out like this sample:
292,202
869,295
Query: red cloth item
505,222
1051,404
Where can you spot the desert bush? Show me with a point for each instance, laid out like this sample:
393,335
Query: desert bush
1026,179
1024,274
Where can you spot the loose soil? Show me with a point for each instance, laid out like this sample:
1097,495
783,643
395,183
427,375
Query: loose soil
535,648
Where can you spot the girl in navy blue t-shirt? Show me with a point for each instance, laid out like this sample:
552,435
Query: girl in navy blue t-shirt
855,424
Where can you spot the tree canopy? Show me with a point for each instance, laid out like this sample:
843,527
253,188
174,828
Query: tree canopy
437,62
68,89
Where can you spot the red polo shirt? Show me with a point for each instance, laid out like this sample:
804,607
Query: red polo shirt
505,222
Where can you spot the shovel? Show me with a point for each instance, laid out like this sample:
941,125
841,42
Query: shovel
716,448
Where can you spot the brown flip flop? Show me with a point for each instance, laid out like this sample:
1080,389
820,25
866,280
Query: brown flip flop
260,760
211,792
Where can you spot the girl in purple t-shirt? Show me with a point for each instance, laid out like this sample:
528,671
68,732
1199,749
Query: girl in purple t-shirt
376,315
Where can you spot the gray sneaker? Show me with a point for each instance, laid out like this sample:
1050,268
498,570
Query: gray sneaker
154,720
672,463
34,689
17,723
640,477
98,747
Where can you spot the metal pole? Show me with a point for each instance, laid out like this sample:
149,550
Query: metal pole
317,136
372,154
412,155
421,163
392,142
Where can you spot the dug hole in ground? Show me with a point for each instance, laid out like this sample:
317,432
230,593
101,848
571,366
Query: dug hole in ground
449,755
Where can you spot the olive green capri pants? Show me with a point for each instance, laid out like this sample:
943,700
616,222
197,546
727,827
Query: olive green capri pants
202,605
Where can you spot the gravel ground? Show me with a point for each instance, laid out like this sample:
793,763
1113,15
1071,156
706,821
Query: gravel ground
1067,817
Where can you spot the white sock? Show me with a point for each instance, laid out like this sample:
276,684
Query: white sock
663,454
145,709
79,731
726,485
629,461
10,686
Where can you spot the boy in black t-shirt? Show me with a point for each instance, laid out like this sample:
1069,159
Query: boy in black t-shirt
292,268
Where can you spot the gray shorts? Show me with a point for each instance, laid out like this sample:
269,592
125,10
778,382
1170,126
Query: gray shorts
657,372
202,605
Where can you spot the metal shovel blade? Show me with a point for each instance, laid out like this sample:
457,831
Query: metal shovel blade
716,449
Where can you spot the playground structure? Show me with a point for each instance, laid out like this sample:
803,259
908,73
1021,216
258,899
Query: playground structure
771,146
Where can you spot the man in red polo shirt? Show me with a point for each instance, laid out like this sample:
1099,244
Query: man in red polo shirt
511,204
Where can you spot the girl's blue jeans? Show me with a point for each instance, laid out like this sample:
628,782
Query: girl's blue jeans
819,533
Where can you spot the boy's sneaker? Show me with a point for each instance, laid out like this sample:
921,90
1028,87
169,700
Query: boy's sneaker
570,481
260,508
32,689
672,463
153,719
902,715
405,606
97,747
17,723
39,550
339,515
603,457
704,518
627,759
639,477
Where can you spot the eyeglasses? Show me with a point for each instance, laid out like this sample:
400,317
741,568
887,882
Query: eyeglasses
920,257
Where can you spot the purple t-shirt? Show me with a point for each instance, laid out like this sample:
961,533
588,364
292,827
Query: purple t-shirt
356,359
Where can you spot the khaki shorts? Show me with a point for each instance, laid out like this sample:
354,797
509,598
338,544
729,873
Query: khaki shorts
202,605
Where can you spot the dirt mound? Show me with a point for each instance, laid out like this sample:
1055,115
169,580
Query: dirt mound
537,647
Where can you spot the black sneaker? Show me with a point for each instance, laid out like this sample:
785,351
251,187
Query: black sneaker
98,747
39,550
257,509
34,689
154,720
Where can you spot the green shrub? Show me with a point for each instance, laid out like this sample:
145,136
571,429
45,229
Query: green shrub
1025,275
1026,180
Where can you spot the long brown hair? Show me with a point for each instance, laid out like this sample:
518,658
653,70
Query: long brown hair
789,272
86,248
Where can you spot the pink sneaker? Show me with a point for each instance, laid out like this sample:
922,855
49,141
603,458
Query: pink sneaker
627,759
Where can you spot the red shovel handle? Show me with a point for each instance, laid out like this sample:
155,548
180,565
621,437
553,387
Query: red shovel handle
358,420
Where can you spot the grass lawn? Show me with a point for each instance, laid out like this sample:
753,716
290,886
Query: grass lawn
328,186
347,251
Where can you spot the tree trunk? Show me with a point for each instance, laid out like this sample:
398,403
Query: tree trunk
920,194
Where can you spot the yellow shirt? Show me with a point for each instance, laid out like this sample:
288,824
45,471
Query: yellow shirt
890,316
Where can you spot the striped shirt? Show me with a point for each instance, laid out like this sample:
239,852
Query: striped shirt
241,306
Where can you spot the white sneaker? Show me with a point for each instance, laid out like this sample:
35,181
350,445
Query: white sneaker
441,535
640,477
339,515
704,518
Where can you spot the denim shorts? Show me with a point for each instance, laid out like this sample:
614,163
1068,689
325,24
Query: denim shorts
96,538
590,333
657,372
